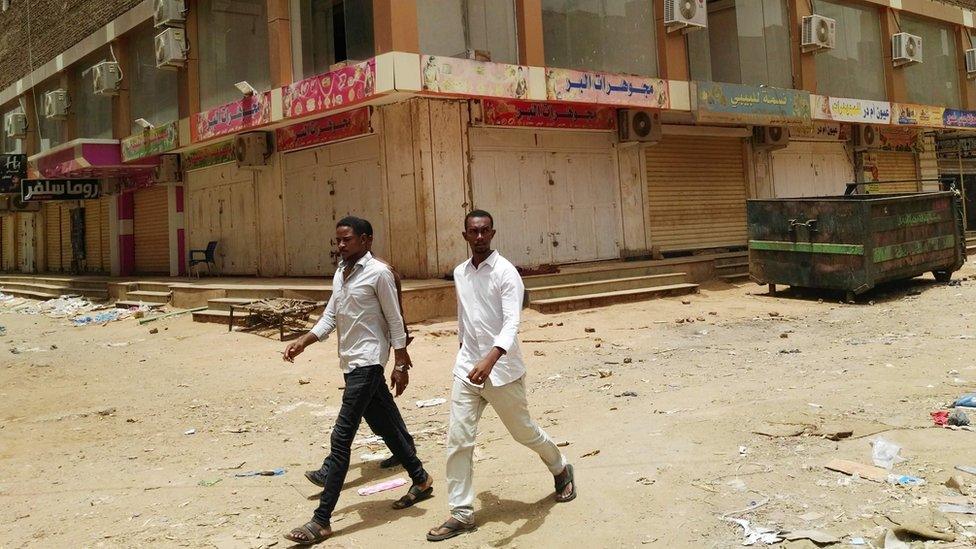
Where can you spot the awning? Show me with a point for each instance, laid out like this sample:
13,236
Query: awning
89,158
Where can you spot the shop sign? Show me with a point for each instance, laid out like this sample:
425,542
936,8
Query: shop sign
510,112
220,153
151,142
13,169
907,114
606,89
900,139
323,130
821,131
41,190
341,87
450,75
842,109
739,104
965,147
870,170
248,112
954,118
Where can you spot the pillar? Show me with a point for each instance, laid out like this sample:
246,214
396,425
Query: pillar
528,18
279,42
967,86
125,216
895,86
804,64
672,48
395,26
177,231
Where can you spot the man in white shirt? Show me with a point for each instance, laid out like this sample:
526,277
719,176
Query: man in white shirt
489,370
365,311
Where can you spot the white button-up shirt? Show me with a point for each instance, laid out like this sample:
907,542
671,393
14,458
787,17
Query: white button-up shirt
489,309
366,312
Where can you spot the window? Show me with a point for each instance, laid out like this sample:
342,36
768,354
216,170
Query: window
600,35
855,67
233,37
50,130
153,92
92,113
934,81
333,31
452,27
747,42
7,144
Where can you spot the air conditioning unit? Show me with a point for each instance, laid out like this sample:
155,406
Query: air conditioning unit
819,33
167,13
106,78
171,49
635,125
15,125
971,63
773,137
865,136
168,170
906,49
685,14
252,149
56,104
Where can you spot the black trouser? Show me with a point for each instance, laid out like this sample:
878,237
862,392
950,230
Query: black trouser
365,396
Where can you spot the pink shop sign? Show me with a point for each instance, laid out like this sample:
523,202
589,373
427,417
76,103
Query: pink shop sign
339,88
249,112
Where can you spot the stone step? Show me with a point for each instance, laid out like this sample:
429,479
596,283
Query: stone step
734,277
148,297
66,282
152,287
603,286
744,265
598,273
29,294
224,303
253,293
562,304
125,304
54,290
219,316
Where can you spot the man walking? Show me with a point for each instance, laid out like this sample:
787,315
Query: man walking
489,370
365,310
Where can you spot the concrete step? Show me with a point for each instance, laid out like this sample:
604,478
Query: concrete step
253,293
152,287
54,290
54,281
219,316
562,304
737,259
603,286
734,277
743,266
29,294
618,270
126,304
148,297
224,303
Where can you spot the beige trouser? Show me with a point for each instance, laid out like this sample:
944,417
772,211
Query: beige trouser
467,404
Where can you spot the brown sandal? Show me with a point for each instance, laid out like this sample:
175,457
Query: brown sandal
311,533
413,496
454,527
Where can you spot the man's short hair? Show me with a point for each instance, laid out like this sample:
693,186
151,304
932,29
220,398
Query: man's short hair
358,225
478,213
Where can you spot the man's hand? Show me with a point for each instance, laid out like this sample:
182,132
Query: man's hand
399,381
296,347
483,368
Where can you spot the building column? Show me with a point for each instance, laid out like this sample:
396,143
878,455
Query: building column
125,214
115,264
121,112
531,46
279,42
895,86
188,78
804,64
672,54
967,86
395,26
32,145
177,232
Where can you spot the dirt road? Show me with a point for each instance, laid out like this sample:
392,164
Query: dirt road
94,449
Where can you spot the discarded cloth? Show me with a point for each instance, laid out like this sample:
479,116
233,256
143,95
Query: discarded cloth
382,487
940,417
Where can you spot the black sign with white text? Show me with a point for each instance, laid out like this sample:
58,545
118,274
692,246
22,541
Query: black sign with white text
13,169
39,190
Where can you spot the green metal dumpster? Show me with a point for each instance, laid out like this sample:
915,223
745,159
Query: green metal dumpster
854,242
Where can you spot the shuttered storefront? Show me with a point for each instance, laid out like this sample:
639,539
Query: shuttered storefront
696,192
221,207
895,166
66,251
811,168
52,236
97,258
151,231
8,260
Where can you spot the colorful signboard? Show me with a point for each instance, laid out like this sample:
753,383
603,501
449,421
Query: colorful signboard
248,112
738,104
13,169
450,75
954,118
896,138
821,131
151,142
606,89
323,130
209,156
842,109
513,112
342,87
907,114
41,190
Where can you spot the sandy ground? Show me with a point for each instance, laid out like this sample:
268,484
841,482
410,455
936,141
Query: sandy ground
93,450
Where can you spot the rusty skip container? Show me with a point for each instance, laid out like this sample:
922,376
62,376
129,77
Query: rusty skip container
854,242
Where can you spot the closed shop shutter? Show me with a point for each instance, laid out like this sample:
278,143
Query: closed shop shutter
52,236
807,168
66,251
696,192
106,233
151,231
896,166
96,235
6,243
221,207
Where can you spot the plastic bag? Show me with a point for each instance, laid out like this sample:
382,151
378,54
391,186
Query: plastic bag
885,453
968,400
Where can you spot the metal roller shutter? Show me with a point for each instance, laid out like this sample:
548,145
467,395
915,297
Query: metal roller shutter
103,207
96,235
52,236
151,231
696,189
6,243
897,166
66,252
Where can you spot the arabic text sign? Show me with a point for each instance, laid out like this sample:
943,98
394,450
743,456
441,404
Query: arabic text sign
469,77
212,155
896,138
842,109
13,168
38,190
954,118
821,131
248,112
907,114
606,89
735,103
150,142
341,87
323,130
547,115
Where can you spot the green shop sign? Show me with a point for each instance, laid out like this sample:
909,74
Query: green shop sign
151,142
738,104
